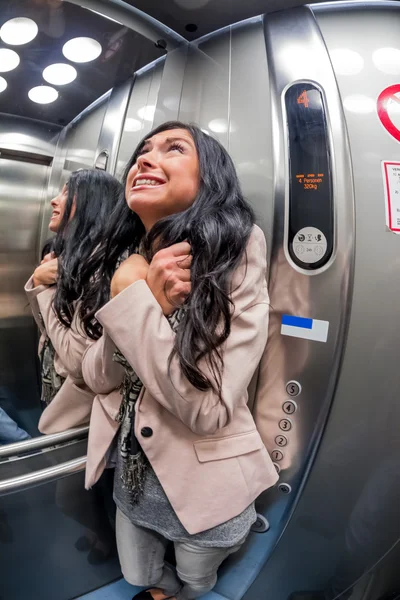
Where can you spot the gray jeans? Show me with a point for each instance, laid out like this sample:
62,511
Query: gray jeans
141,554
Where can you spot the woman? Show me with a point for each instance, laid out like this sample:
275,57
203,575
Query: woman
80,213
183,335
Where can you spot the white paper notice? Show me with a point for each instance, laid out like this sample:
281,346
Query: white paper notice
391,183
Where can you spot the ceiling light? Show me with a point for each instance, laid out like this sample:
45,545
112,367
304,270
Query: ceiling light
387,60
18,31
9,60
147,112
43,94
358,103
59,74
3,84
346,62
82,49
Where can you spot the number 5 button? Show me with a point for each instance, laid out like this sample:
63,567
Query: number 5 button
285,424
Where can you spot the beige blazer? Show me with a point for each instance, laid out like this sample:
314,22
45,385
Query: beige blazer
71,407
206,452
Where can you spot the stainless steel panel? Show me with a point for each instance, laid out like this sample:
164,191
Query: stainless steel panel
113,122
250,137
205,93
348,517
22,188
170,89
140,112
76,149
40,527
28,136
82,136
325,295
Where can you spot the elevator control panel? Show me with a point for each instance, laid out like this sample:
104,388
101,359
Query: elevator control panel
310,212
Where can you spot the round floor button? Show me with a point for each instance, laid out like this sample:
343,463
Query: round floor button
285,424
289,407
277,454
281,440
277,467
284,488
293,388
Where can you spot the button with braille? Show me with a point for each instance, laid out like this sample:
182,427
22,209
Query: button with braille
146,431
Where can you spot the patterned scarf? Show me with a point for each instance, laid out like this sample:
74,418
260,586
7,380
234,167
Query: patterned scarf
134,460
51,380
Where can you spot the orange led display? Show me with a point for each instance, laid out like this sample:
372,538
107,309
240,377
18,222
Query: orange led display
310,182
303,99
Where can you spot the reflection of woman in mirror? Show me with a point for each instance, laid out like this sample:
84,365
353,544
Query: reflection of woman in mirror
80,214
59,294
189,318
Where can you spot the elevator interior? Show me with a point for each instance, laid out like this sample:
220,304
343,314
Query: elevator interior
293,95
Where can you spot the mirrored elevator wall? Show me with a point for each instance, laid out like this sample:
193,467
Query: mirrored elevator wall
27,148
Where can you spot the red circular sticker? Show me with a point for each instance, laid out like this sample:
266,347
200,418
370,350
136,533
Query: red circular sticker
389,94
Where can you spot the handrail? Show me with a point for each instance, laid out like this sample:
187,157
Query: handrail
23,482
44,441
135,19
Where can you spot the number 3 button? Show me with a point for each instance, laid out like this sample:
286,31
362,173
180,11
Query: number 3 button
285,424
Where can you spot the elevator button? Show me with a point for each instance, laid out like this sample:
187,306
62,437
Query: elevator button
311,243
284,488
289,407
277,454
277,467
285,425
281,440
293,388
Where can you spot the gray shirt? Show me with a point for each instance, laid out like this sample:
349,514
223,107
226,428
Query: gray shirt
154,511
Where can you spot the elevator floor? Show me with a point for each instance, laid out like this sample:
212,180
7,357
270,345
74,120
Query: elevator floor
121,590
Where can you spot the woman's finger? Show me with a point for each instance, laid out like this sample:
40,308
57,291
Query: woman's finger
184,262
183,248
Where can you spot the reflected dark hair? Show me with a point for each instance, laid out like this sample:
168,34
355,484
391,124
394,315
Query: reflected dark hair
217,225
95,195
47,248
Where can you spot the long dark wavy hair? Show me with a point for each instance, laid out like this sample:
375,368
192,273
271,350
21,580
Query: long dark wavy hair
217,225
95,195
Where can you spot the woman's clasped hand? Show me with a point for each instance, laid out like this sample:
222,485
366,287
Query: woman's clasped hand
167,275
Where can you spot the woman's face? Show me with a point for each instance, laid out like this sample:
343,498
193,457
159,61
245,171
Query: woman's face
58,204
165,178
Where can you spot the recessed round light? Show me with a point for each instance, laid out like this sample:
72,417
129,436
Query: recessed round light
18,31
59,74
3,84
9,60
43,94
82,49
